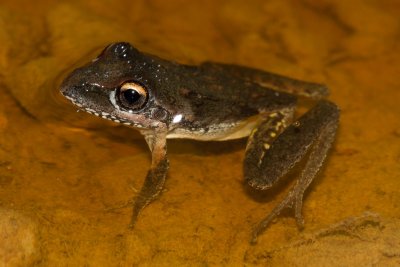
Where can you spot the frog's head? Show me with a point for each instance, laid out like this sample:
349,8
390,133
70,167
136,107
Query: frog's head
116,86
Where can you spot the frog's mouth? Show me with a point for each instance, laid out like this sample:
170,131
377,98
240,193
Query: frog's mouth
94,100
100,102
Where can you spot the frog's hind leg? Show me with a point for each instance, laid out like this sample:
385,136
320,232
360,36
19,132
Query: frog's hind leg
268,160
289,85
271,80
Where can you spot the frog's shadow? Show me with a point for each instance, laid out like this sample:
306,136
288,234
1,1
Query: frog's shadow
207,149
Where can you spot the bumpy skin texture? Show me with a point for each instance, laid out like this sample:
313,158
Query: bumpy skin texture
209,102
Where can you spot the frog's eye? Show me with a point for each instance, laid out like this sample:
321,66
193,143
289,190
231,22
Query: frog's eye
132,96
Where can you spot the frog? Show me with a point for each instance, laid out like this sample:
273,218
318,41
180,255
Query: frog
212,101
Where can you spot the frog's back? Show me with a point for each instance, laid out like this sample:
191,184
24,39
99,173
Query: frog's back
209,88
223,106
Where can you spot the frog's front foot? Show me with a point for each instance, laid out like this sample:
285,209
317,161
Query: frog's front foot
268,160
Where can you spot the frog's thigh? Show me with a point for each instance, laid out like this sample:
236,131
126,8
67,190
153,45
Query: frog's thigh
313,132
271,154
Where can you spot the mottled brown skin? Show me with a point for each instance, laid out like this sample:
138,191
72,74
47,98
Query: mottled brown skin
211,101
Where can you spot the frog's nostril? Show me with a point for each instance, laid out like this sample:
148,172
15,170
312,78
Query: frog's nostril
64,89
67,92
69,89
66,86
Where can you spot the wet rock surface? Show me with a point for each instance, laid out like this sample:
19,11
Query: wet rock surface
74,173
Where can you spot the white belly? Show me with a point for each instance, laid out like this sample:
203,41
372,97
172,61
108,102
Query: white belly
219,132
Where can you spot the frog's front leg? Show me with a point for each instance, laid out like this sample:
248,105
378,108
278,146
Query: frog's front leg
155,178
273,150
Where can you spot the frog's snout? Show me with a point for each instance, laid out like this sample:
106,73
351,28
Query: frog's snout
65,88
75,80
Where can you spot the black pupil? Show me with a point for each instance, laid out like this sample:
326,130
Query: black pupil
131,96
